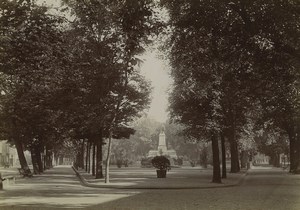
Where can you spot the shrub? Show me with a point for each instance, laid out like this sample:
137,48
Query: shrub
119,163
178,161
146,163
161,163
126,162
193,163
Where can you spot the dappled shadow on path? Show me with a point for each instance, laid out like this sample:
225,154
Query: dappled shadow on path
57,188
179,178
258,191
60,188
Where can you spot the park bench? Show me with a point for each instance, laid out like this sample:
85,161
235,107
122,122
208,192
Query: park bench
24,173
6,165
8,180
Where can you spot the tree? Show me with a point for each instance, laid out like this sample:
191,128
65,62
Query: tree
113,33
272,142
273,48
93,51
128,106
140,143
197,71
186,148
31,47
241,48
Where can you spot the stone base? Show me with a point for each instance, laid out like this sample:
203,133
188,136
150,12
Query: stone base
169,153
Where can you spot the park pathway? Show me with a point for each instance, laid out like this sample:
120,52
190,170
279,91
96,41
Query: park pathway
59,188
261,189
56,188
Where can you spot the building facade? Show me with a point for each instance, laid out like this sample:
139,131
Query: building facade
9,156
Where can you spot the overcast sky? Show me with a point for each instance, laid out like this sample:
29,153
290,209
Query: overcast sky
154,70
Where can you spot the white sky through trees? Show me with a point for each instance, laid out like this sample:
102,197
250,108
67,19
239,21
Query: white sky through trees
154,70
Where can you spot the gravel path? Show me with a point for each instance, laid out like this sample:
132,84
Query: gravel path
60,188
261,189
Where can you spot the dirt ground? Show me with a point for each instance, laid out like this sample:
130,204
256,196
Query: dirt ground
187,188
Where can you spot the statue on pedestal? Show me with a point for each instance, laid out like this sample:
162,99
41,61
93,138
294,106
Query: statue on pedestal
162,147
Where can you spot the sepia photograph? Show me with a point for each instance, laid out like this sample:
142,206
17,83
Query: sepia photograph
150,104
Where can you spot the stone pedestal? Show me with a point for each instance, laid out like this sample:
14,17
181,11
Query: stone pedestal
162,148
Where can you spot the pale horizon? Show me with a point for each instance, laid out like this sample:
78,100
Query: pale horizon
154,69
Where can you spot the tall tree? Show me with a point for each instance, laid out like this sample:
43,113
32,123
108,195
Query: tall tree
31,47
251,43
197,71
112,34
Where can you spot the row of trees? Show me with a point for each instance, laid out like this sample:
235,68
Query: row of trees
72,76
235,66
191,150
146,138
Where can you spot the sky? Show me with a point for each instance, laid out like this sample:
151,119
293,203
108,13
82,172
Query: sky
55,3
155,70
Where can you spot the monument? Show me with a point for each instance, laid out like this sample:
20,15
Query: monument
162,148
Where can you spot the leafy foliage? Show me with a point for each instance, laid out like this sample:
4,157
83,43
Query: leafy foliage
161,163
69,80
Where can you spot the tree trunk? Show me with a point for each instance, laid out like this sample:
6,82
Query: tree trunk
52,163
216,160
293,153
224,174
297,161
99,168
93,159
19,148
34,161
48,162
235,166
89,157
39,159
234,153
108,157
297,149
21,156
277,160
81,158
293,150
76,164
86,156
244,159
203,157
56,160
44,158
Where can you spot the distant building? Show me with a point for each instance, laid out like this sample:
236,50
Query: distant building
63,160
9,156
4,153
260,158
